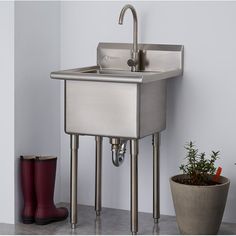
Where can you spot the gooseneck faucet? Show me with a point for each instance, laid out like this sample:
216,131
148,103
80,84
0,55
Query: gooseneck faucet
118,146
134,61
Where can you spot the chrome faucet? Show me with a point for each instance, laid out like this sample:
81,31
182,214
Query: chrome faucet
134,61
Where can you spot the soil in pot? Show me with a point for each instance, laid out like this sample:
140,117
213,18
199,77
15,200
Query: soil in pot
187,180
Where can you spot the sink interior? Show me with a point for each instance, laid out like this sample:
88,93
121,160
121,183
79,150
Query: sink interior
116,72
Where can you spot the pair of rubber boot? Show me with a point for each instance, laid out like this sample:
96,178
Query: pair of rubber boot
38,182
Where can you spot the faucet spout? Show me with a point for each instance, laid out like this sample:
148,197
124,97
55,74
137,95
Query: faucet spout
133,62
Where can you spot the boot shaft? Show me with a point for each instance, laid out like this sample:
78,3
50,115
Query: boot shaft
27,174
45,174
27,186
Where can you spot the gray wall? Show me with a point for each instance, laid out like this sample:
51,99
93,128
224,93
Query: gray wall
200,105
37,97
7,112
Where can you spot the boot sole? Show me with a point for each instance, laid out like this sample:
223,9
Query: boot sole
28,220
48,220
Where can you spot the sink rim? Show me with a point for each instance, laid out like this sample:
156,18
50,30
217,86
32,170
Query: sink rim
110,75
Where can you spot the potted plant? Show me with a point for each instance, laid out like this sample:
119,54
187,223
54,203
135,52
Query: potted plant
199,194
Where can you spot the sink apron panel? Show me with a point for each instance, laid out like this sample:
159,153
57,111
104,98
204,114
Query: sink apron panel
101,108
152,107
115,109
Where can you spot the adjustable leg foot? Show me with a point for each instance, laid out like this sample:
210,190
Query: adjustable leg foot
156,221
73,226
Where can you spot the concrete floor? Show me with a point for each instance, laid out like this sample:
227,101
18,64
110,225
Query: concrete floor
111,221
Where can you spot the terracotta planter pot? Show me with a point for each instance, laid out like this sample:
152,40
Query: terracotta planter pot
199,209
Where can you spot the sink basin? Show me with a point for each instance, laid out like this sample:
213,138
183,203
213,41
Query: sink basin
109,100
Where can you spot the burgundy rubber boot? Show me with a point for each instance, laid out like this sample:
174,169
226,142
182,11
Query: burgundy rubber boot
45,173
27,185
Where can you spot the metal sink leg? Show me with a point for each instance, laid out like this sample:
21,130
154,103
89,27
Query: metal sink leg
98,175
156,178
74,145
134,185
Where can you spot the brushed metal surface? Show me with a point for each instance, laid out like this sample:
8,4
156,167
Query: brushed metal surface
126,104
109,75
152,108
74,145
104,109
98,175
134,185
115,109
134,61
154,57
157,62
156,177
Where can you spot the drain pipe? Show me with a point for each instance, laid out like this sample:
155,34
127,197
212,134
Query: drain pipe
118,148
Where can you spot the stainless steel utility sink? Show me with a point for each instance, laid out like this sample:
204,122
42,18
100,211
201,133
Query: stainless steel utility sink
110,100
122,97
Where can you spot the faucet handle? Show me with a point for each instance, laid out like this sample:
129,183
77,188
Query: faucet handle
132,62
